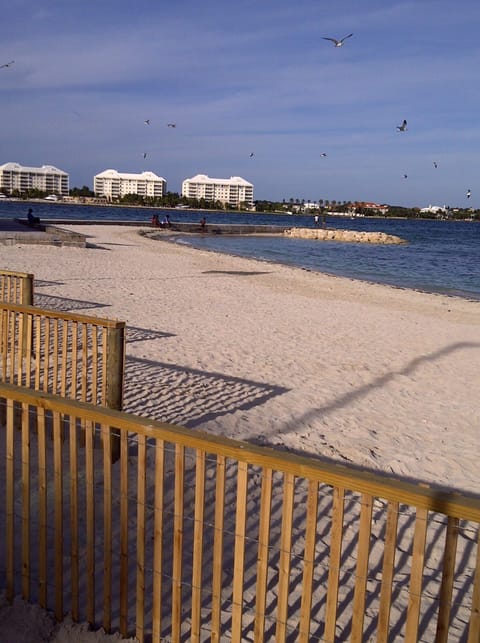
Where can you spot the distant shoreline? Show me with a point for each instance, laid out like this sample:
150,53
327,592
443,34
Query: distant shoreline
333,215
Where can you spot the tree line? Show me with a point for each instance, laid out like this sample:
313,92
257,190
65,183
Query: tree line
290,206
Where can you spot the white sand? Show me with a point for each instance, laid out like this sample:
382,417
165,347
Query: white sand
381,377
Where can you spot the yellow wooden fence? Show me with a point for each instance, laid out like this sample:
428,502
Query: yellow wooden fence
16,287
195,537
75,356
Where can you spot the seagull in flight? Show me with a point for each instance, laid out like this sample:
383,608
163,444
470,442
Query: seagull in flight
171,125
338,43
405,176
435,164
147,122
7,64
144,155
403,126
323,154
251,154
469,194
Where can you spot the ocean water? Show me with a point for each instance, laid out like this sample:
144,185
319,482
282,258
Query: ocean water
439,256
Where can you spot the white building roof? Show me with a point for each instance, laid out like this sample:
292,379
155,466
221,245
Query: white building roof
233,180
114,174
433,208
12,167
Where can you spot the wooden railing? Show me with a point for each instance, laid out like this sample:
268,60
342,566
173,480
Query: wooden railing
67,354
196,537
16,287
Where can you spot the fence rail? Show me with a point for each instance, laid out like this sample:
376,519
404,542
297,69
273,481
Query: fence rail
195,537
16,287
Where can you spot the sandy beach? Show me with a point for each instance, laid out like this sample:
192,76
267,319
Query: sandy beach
383,378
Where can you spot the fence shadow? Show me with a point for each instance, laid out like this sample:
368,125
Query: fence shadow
187,396
46,282
136,334
52,302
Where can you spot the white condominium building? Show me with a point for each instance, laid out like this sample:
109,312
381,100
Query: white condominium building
232,191
47,178
112,184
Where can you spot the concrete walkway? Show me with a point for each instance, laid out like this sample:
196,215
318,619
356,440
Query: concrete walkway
14,232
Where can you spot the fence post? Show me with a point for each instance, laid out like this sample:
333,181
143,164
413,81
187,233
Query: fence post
26,300
114,378
27,290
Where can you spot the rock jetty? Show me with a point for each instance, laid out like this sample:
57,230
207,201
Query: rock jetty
351,236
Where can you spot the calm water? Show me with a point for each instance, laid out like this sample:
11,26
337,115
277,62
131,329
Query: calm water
440,256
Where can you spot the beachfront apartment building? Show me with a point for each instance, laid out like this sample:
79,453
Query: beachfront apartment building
112,184
232,191
21,178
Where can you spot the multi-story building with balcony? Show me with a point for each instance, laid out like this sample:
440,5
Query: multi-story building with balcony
16,177
113,185
232,191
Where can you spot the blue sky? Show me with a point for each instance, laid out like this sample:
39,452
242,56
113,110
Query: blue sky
250,76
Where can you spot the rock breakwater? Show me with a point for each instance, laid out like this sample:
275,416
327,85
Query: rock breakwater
351,236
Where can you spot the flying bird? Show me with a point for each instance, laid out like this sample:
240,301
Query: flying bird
338,43
147,122
251,154
405,176
402,127
171,125
435,164
323,154
7,64
469,194
144,155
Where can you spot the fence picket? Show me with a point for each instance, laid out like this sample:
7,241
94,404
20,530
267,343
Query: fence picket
308,561
141,508
336,539
58,517
474,624
416,576
239,552
262,556
158,541
217,567
178,507
285,553
388,568
198,546
26,517
124,516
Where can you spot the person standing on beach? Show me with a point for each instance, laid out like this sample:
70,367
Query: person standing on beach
315,218
203,224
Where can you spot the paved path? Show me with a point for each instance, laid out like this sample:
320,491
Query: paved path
14,232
